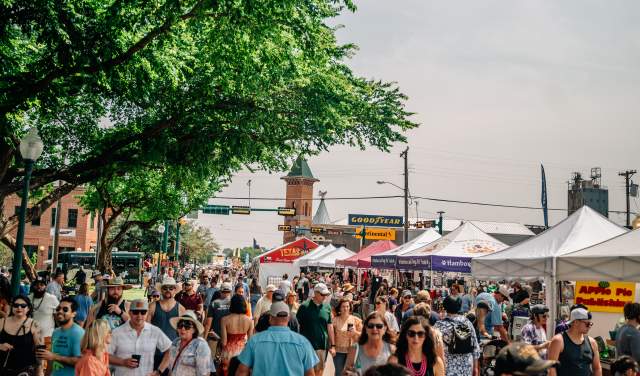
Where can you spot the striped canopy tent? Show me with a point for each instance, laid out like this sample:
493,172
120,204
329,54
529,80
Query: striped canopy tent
362,259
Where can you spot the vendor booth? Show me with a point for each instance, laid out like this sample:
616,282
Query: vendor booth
536,258
328,260
362,259
303,261
273,264
387,260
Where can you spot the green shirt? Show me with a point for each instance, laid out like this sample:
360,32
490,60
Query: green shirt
313,320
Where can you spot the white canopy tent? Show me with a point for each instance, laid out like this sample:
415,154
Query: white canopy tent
328,260
536,257
303,261
616,259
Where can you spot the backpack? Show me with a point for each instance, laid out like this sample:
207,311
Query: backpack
461,338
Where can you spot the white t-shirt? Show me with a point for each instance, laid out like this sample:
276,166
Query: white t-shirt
43,311
126,342
285,286
542,334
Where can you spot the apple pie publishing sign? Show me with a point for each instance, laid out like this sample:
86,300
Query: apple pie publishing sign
375,220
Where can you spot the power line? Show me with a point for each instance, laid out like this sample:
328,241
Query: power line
508,206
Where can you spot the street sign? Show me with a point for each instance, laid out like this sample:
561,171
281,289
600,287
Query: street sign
418,224
284,228
427,224
377,233
287,212
330,231
244,210
317,230
216,209
375,220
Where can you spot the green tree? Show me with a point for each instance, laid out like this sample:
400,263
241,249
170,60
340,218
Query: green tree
197,243
116,86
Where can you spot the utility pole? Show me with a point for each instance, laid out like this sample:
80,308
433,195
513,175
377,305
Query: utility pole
406,194
440,221
627,178
56,237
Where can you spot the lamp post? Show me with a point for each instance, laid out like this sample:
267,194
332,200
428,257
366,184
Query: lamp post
162,229
407,198
30,149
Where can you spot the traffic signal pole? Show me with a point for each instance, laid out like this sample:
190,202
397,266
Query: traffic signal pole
406,195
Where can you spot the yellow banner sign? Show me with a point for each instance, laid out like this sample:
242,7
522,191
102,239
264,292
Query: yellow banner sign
605,296
377,233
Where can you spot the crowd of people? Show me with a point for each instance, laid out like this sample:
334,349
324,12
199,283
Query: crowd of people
220,321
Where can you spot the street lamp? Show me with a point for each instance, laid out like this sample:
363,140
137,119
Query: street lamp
407,198
30,149
161,230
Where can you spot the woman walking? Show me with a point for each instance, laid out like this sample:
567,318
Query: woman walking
374,346
236,328
382,307
416,349
189,354
19,338
292,302
347,329
256,293
84,302
95,358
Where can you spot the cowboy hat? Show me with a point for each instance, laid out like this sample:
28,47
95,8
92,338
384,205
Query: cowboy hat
347,287
118,282
187,316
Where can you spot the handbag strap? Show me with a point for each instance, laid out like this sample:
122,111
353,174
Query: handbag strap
175,361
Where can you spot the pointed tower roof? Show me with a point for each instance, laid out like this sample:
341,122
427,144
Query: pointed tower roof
300,169
322,215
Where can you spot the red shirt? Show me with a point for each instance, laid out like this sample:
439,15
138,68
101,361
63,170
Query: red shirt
190,301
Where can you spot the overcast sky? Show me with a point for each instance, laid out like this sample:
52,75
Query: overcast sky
498,87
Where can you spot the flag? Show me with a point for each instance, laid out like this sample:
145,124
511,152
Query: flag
544,198
255,244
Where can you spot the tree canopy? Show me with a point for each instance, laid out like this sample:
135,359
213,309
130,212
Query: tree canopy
118,87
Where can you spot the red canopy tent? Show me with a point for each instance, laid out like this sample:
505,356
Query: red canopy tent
362,259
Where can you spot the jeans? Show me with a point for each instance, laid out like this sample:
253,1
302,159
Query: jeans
254,300
339,362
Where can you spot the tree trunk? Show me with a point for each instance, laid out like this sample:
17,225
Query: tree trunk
28,267
104,263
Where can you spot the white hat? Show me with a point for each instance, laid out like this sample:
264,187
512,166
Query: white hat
187,316
322,289
168,281
279,309
118,282
271,288
502,290
579,314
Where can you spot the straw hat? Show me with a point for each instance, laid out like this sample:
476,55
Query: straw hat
118,282
187,316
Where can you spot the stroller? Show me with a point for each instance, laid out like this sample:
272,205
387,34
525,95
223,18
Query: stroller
490,349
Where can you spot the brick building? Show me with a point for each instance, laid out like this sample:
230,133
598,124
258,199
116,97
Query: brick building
78,228
299,195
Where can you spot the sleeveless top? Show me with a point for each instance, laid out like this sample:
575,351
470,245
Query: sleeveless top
575,360
111,318
161,320
23,353
363,362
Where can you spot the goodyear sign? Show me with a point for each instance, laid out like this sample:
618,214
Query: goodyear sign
605,296
375,220
377,233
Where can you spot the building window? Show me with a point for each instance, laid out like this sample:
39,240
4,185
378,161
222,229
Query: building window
53,217
72,219
306,209
92,220
35,221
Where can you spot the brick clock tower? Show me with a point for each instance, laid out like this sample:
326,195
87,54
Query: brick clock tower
299,195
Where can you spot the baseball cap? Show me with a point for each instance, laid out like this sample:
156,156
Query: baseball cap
279,309
225,287
406,293
322,289
139,305
155,293
539,309
504,291
579,314
521,359
278,296
271,288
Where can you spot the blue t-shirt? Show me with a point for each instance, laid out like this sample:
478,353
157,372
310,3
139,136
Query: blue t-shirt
467,302
495,316
84,303
278,351
66,343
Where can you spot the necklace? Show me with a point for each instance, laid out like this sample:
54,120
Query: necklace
423,365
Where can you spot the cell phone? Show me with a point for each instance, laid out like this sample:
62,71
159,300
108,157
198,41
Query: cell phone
41,347
349,327
137,358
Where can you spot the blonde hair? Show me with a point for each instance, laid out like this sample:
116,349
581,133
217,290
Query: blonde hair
95,336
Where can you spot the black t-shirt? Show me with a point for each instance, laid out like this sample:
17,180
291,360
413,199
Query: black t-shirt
218,310
519,296
263,323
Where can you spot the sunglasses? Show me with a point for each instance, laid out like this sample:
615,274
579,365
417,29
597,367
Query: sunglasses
139,312
589,324
20,305
378,303
63,309
167,288
377,326
184,325
413,333
406,297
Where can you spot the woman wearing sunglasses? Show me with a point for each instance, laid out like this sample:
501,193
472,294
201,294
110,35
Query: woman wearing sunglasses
19,338
416,349
374,346
534,332
382,307
95,342
189,354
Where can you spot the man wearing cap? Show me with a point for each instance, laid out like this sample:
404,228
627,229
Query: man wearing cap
218,309
422,296
113,308
574,349
521,359
278,351
133,344
161,312
534,332
314,317
493,321
263,321
264,303
190,300
405,305
44,306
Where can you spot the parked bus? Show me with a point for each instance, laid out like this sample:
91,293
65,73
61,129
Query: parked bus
126,264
